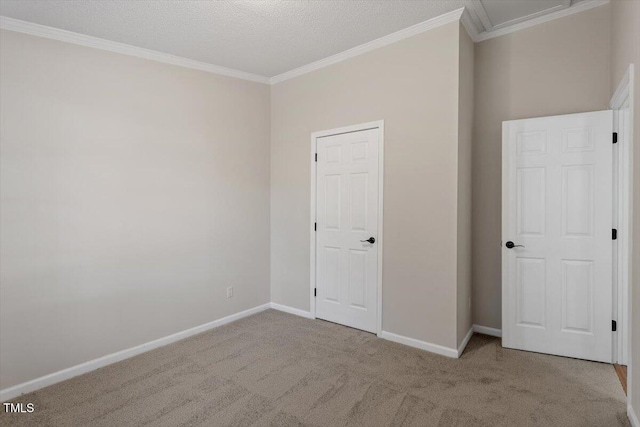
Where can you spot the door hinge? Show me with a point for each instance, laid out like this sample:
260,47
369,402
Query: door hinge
315,226
614,234
316,157
614,326
315,292
615,137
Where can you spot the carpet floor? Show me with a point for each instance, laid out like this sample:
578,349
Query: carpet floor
276,369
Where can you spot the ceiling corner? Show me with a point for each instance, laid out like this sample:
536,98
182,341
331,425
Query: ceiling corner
469,24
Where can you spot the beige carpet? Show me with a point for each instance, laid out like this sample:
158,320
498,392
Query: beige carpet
276,369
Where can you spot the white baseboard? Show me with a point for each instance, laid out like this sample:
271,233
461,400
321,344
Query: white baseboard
487,331
92,365
291,310
422,345
433,348
635,421
465,341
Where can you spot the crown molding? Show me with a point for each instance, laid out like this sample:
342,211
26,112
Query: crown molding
369,46
580,7
464,15
515,21
469,25
481,13
624,88
125,49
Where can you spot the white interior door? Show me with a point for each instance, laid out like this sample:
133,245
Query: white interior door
347,216
557,204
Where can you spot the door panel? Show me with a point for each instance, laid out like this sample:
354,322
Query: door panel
357,278
331,291
531,286
577,200
531,200
577,296
347,214
332,205
557,204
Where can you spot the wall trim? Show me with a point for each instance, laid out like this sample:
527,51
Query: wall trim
580,7
422,345
486,21
623,106
623,89
125,49
493,332
463,15
411,31
411,342
465,341
92,365
635,421
291,310
469,25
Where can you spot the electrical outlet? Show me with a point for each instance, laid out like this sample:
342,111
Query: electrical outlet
229,291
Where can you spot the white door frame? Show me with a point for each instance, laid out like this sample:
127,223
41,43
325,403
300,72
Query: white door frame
623,215
380,241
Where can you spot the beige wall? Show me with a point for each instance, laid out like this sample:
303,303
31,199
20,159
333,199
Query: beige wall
558,67
465,131
184,166
412,85
132,193
625,49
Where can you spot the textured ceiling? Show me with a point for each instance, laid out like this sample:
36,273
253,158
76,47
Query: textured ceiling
261,37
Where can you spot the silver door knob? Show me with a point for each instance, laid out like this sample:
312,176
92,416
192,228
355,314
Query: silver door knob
370,240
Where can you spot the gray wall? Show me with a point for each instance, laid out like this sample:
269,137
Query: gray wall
132,193
413,86
558,67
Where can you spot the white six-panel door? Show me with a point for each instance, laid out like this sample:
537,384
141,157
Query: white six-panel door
347,215
557,203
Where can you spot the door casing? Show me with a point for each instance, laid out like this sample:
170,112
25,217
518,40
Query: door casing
379,124
622,106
